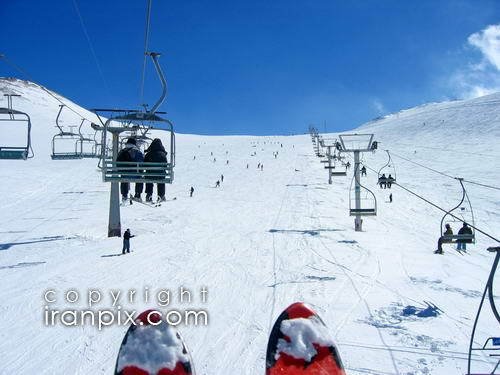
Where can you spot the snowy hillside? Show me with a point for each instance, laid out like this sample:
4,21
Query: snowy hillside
261,241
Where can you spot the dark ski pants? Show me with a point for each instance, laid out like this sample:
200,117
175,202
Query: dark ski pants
159,187
126,246
125,186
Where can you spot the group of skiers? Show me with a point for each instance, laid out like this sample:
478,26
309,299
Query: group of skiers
155,153
465,236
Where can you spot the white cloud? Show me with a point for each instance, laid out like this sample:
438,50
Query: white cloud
488,42
378,106
481,77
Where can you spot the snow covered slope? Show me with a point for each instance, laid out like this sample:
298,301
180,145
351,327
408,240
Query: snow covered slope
261,241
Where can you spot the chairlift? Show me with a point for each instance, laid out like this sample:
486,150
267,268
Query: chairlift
63,138
367,201
9,116
387,173
141,121
461,213
86,143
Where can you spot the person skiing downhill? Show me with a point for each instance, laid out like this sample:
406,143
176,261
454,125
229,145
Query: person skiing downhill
126,241
130,153
363,171
221,178
191,191
155,154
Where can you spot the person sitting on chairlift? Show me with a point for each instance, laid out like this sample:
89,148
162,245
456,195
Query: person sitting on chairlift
390,180
465,231
442,239
382,181
130,153
155,154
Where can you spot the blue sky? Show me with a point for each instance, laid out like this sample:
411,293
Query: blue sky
259,67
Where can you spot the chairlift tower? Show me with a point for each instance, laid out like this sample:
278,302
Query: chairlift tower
117,172
357,143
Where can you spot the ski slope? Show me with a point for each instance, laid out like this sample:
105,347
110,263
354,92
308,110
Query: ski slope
260,242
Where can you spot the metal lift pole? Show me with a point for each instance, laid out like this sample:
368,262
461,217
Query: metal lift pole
114,222
358,222
329,156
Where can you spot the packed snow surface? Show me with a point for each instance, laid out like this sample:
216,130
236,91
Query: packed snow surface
259,242
152,348
303,333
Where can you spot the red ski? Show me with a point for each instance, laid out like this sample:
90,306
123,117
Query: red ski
300,344
152,347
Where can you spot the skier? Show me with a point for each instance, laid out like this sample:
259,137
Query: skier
130,153
155,154
194,157
191,191
126,241
217,184
215,160
465,231
227,162
363,171
390,180
390,198
262,167
221,178
258,166
442,239
382,181
247,165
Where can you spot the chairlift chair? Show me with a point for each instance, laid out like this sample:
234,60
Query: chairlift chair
461,213
368,201
84,143
387,173
21,151
63,138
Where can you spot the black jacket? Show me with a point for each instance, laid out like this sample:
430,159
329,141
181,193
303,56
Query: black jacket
156,152
465,230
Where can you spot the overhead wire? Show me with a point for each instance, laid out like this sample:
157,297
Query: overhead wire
91,47
445,174
54,96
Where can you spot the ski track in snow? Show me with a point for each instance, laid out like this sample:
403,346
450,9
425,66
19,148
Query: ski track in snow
263,240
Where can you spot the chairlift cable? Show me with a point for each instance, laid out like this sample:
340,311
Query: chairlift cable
447,175
28,76
91,47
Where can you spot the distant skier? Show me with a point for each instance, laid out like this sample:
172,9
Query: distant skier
247,165
442,239
126,241
390,198
215,160
262,167
130,153
191,191
258,166
348,165
227,162
363,171
194,157
467,232
217,184
155,154
221,178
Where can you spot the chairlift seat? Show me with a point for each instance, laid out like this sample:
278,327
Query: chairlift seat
363,212
454,238
14,153
144,172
